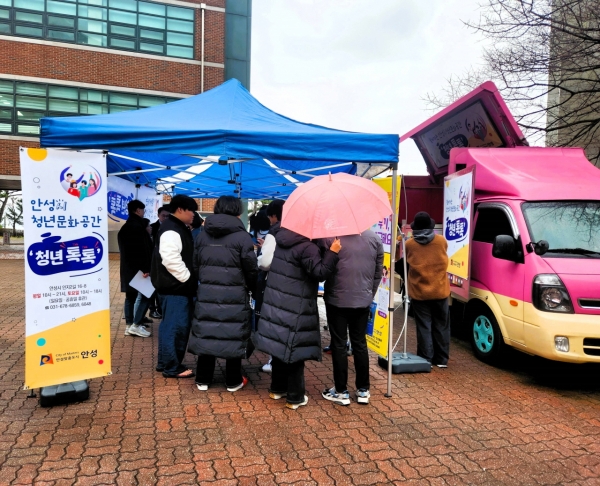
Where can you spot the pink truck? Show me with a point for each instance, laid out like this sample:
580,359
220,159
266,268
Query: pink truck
534,233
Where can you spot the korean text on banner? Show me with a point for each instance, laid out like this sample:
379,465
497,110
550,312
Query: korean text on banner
379,319
152,201
119,193
67,307
458,216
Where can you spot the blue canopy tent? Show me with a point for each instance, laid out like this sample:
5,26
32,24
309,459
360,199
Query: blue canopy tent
220,142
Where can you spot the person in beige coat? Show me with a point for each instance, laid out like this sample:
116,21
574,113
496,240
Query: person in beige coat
429,289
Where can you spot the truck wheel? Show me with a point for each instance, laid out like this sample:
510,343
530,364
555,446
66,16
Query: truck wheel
486,338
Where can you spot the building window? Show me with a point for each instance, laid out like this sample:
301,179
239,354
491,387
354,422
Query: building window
129,25
22,104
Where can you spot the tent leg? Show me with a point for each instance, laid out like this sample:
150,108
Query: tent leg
392,259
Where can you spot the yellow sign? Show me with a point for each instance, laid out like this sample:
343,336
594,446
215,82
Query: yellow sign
378,327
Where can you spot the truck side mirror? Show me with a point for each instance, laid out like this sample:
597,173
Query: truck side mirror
504,248
540,248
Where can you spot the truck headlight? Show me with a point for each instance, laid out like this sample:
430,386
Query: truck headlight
550,294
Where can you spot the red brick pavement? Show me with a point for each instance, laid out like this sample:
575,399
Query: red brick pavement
531,422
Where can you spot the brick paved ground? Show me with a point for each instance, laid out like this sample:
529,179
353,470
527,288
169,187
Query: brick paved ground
532,422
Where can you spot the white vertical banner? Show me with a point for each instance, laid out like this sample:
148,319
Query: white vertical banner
67,306
120,192
152,201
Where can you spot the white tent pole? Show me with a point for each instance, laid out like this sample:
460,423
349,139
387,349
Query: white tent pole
392,261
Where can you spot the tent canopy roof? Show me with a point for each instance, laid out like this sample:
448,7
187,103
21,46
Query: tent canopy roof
215,142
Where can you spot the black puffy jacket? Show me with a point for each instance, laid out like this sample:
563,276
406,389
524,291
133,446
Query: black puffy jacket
135,247
225,265
289,322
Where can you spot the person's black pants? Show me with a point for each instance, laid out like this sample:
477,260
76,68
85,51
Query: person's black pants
341,321
205,370
288,378
433,330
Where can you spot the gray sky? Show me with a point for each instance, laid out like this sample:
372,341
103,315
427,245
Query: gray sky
360,66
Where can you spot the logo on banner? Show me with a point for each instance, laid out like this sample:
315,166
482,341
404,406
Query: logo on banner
81,183
51,256
46,359
463,198
117,204
456,230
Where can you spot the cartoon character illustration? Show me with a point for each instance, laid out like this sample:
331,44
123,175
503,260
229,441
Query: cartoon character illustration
482,134
83,190
66,178
81,187
463,197
73,189
92,188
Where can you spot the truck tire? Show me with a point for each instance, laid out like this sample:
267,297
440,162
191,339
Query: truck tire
486,339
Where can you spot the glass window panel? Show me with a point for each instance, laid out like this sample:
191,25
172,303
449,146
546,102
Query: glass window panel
6,3
6,100
178,51
93,12
146,101
156,48
4,28
5,127
95,26
122,17
31,102
63,105
29,129
176,38
117,108
152,8
6,87
122,30
37,5
5,113
122,43
149,21
152,34
93,109
30,116
53,6
31,89
101,3
91,39
29,31
180,13
28,17
61,21
123,99
124,4
4,14
92,95
63,92
180,26
61,35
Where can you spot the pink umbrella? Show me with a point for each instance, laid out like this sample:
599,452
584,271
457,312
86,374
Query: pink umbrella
335,205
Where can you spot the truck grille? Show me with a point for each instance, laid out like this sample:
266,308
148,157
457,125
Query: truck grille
591,346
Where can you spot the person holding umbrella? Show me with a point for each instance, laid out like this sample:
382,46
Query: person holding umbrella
289,322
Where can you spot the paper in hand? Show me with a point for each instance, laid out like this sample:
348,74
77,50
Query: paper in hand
141,284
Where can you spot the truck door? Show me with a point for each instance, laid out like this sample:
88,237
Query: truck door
503,278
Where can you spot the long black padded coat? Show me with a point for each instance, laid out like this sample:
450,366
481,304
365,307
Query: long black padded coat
225,264
289,321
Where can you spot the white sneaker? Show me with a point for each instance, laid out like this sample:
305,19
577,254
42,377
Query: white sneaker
267,368
333,396
362,396
148,329
296,406
277,396
137,330
202,387
127,330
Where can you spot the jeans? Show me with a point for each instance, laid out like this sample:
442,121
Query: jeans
341,320
174,332
136,305
433,330
205,370
288,378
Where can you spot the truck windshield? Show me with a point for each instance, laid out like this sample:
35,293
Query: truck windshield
569,227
